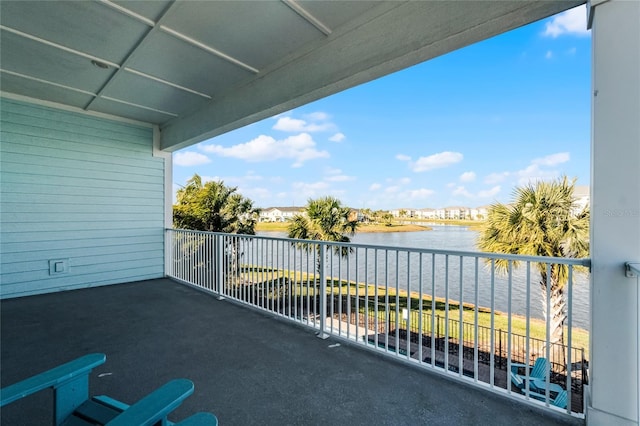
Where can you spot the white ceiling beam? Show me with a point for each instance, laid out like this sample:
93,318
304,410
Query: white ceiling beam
296,7
208,49
404,35
59,46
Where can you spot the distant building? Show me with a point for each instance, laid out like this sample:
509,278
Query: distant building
280,214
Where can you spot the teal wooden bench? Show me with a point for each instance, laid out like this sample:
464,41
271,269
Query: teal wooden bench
73,407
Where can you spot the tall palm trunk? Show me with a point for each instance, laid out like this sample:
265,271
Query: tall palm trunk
556,317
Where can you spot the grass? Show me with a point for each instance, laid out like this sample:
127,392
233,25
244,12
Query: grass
537,328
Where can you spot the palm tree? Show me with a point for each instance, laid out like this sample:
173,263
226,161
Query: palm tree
324,219
542,220
214,207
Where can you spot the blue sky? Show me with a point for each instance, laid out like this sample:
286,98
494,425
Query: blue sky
461,129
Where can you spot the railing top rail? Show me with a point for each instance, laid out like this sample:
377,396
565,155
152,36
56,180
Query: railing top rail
485,255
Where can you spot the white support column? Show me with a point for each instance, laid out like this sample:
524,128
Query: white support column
615,213
168,191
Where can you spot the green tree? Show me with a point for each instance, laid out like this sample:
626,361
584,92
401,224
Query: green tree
324,219
215,207
542,220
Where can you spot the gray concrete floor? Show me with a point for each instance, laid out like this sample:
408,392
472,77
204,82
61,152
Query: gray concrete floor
248,367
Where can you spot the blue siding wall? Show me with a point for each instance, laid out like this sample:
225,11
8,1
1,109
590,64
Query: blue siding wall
76,187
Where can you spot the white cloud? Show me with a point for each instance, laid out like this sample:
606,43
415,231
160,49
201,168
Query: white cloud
488,193
467,177
338,137
553,159
317,123
534,173
403,157
496,178
318,116
306,190
190,158
436,161
419,194
573,21
300,148
339,178
375,187
549,54
460,190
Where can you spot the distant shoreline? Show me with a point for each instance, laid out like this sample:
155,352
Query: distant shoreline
362,228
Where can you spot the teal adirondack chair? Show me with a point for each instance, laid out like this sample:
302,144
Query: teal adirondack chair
539,370
72,405
559,401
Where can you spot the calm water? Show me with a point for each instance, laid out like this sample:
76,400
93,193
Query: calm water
459,238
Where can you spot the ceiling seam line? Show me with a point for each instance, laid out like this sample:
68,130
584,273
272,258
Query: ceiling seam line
139,106
128,12
209,49
51,83
168,83
58,46
131,54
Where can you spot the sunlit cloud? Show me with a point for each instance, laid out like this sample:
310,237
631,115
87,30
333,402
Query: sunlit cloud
460,190
190,158
338,137
494,178
552,160
431,162
300,148
375,187
315,122
488,193
467,177
573,21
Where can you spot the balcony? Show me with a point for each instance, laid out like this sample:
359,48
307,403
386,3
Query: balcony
248,368
471,323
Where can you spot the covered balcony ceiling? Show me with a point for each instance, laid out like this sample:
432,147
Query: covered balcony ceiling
201,68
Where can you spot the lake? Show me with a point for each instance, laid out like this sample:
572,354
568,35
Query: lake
447,237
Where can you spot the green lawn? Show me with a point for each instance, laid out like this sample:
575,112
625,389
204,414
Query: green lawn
537,329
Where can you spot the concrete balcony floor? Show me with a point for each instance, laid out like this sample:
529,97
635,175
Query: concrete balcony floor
248,367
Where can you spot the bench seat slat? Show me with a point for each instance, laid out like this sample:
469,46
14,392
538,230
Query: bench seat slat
92,410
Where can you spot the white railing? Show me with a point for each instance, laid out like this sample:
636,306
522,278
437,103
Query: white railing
464,314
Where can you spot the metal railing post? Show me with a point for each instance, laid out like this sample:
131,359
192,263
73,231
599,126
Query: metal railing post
323,293
218,266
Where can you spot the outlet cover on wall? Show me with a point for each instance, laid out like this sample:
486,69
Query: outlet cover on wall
58,266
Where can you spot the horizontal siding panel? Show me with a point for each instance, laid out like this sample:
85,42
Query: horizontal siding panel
29,288
72,227
96,174
13,192
77,207
20,201
64,181
77,272
87,121
77,218
81,259
81,188
36,125
77,164
79,235
12,149
19,133
85,248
